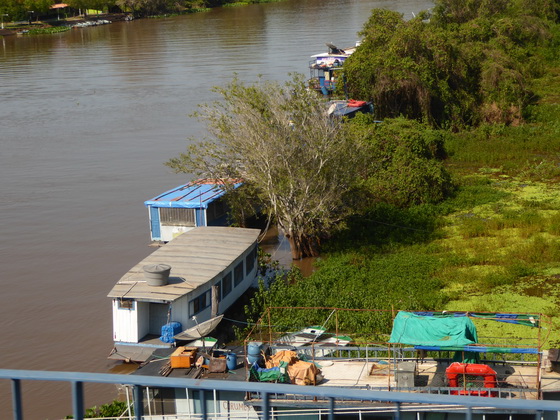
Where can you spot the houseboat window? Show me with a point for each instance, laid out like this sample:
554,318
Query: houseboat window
226,285
201,302
238,274
250,260
126,304
177,217
219,291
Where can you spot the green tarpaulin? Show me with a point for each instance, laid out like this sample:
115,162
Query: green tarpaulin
409,328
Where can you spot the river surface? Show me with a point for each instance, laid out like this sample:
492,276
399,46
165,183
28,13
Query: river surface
87,119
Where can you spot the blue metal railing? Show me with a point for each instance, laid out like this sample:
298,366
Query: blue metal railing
266,390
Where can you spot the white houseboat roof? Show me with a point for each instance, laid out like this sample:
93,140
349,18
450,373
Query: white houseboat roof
195,257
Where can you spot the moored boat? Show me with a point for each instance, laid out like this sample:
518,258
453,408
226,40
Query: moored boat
325,68
209,269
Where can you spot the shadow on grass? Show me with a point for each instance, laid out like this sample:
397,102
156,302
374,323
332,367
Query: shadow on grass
385,224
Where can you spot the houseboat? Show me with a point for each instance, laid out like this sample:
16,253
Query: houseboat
325,68
208,269
198,203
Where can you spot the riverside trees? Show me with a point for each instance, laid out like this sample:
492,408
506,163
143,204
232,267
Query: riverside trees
471,62
308,170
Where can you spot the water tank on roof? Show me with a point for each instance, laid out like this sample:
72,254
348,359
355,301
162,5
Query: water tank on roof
157,274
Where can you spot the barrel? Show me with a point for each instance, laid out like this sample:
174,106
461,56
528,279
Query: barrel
231,361
254,352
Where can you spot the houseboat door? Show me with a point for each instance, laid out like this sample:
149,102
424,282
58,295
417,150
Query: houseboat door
158,317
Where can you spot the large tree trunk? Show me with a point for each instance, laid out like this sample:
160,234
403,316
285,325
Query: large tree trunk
303,246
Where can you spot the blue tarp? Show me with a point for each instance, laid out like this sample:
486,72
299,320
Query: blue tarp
530,320
480,349
169,331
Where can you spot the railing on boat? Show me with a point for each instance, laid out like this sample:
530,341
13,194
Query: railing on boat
400,401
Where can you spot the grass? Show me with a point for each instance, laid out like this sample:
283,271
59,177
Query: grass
501,242
493,246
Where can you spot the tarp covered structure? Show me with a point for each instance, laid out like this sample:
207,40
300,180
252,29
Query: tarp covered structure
528,320
454,331
442,331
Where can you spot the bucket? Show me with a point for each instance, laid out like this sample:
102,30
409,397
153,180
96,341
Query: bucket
254,352
156,274
231,361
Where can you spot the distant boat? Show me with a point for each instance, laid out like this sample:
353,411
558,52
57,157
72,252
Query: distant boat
325,68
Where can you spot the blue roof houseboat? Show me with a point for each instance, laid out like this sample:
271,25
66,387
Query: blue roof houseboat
198,203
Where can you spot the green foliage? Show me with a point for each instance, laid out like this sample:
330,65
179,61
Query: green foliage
52,30
472,62
403,162
114,409
383,226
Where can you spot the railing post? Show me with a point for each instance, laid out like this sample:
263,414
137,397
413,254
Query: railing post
16,399
397,411
266,406
331,408
538,415
138,402
468,414
202,394
78,400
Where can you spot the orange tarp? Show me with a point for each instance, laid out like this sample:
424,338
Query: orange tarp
300,372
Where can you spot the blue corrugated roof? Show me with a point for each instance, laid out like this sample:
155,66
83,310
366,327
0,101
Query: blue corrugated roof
194,195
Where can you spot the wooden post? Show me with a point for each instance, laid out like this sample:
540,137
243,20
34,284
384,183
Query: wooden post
215,301
269,327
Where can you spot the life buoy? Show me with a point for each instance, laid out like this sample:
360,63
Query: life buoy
457,373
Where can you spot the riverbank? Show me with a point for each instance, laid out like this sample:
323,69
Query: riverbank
48,26
56,26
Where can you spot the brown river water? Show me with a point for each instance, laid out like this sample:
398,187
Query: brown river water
87,119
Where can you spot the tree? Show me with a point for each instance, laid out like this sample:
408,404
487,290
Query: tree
471,62
403,162
279,140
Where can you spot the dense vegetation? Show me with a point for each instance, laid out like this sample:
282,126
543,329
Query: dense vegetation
467,63
491,243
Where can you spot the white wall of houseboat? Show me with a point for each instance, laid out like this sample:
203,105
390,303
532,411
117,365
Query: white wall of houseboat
159,231
130,322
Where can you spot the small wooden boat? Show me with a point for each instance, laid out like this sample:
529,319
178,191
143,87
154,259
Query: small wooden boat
199,330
